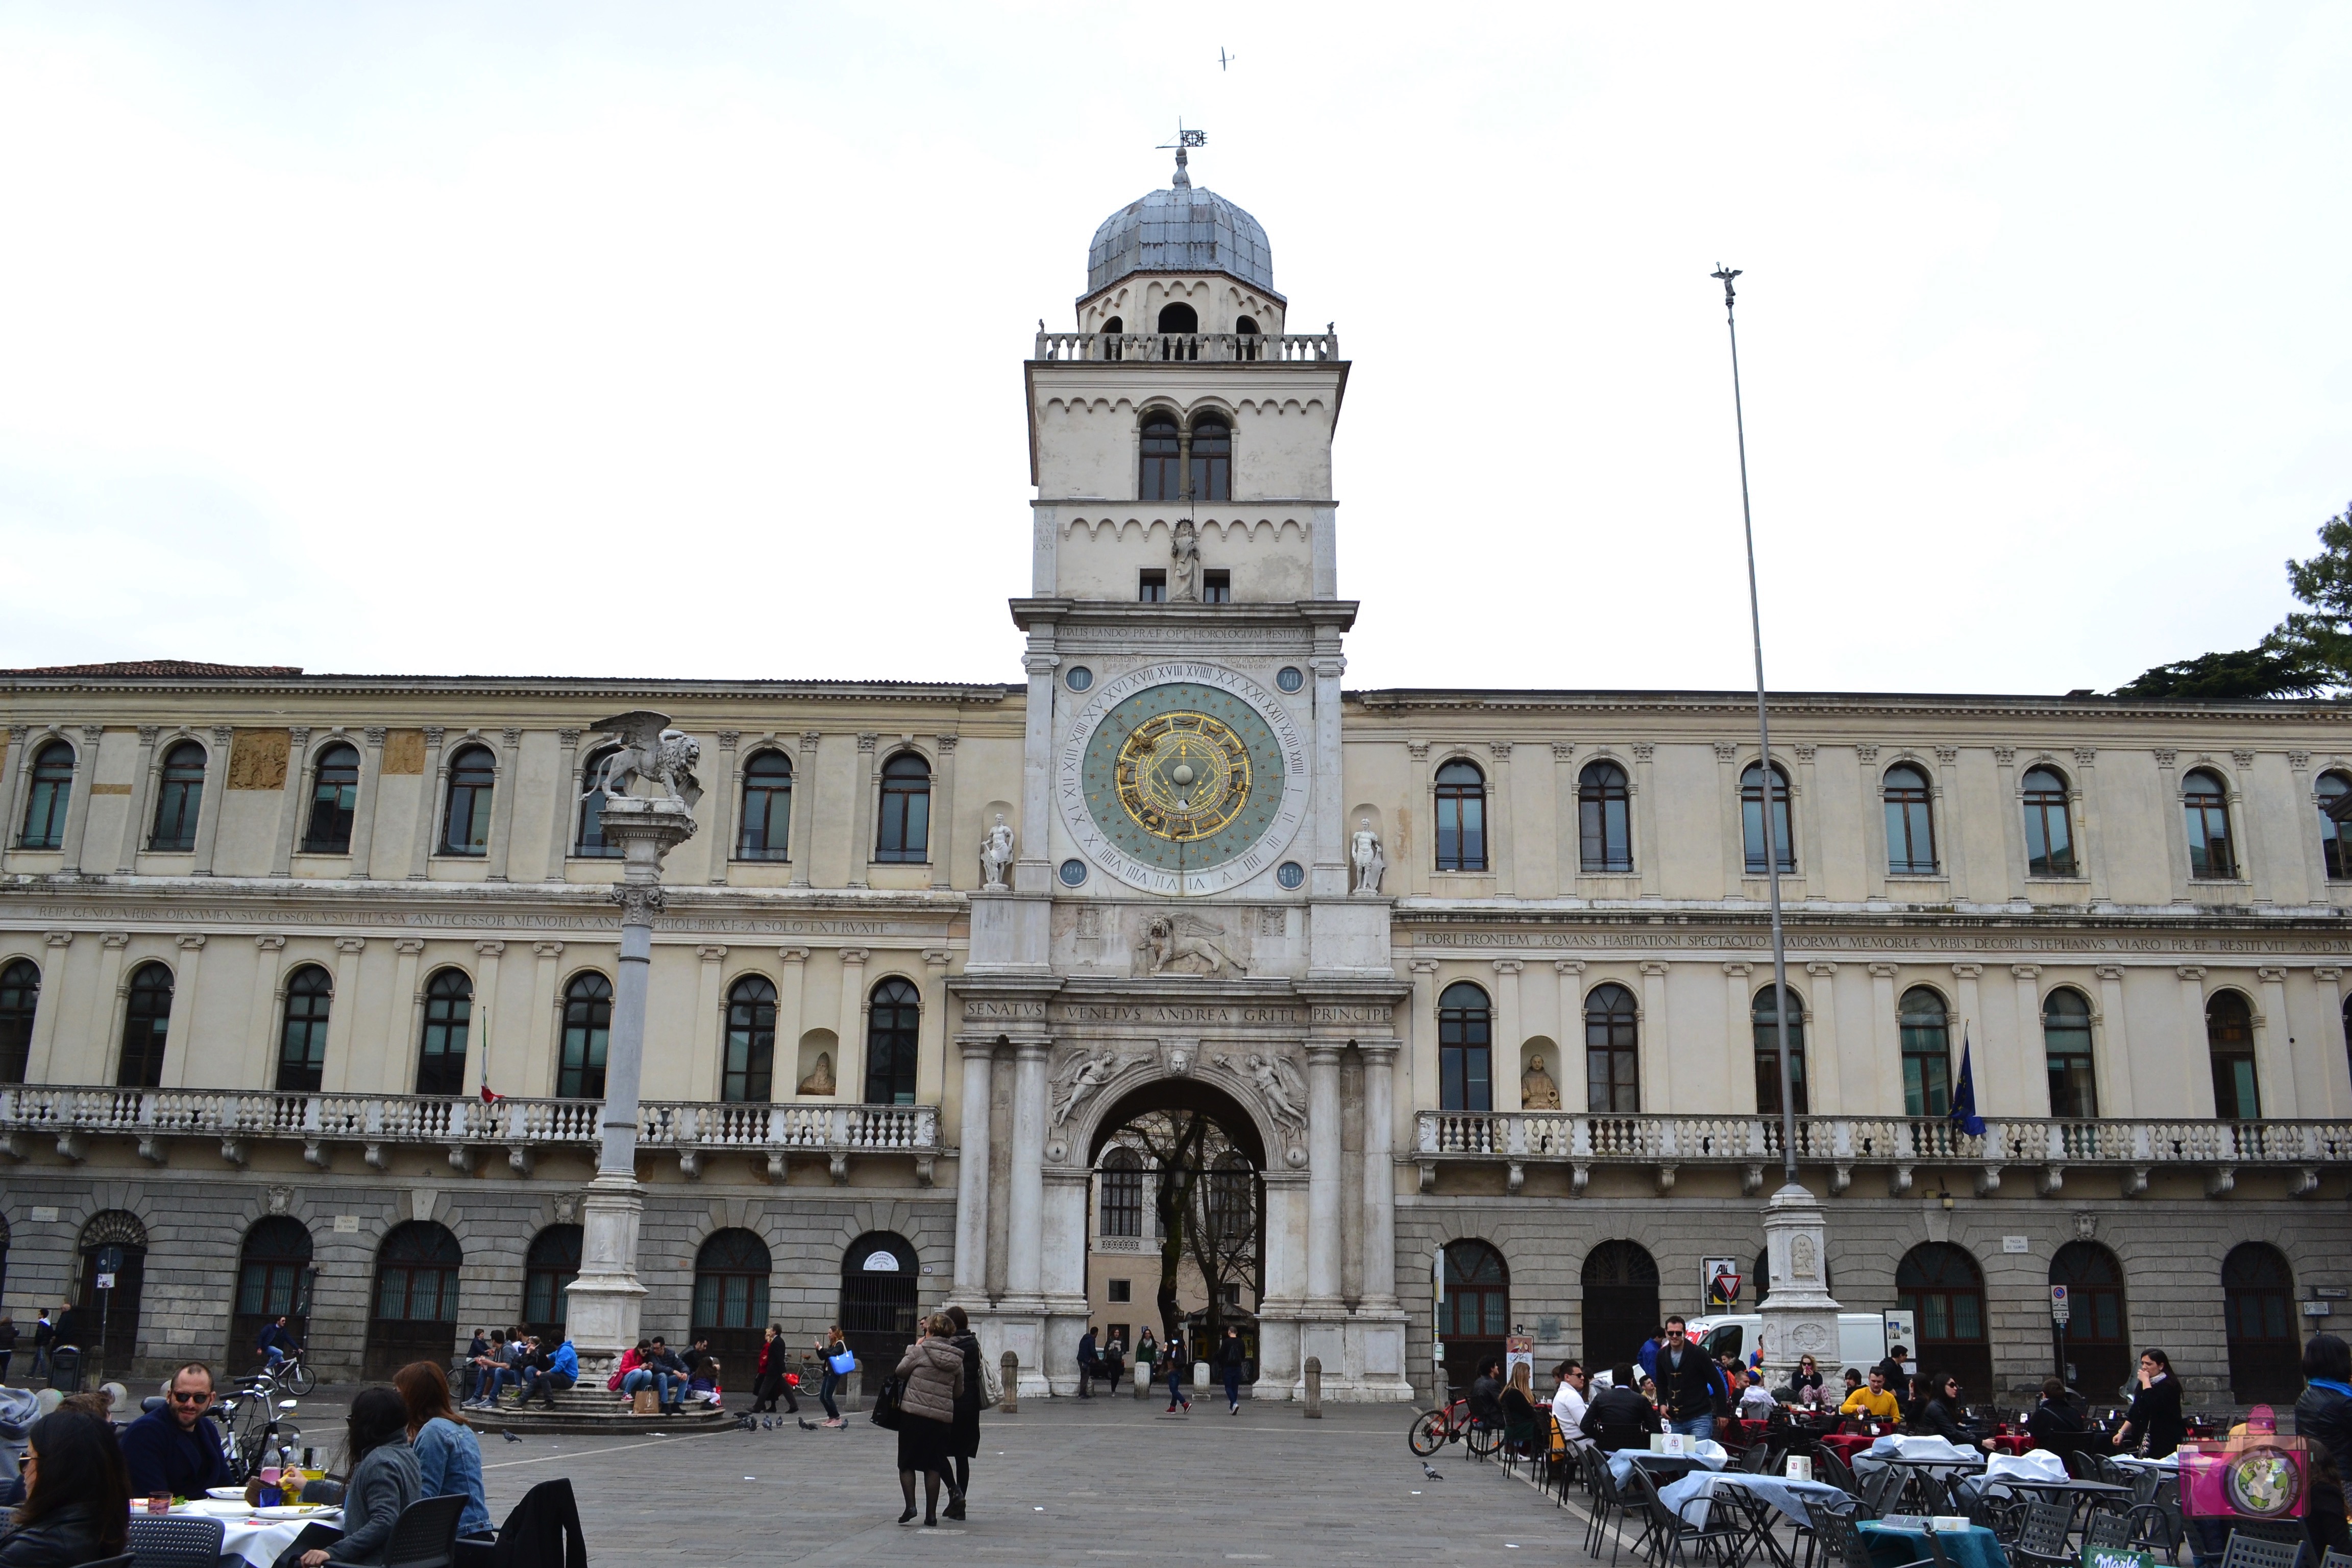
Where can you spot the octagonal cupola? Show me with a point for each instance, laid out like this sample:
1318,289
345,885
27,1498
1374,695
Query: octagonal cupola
1181,259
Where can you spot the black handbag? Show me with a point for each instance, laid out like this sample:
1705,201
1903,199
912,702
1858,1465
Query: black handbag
885,1404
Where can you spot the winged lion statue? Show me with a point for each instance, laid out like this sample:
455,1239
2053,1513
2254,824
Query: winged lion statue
652,752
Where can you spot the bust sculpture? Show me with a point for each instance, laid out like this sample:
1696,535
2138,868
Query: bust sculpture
1365,858
819,1080
1537,1089
1185,565
996,855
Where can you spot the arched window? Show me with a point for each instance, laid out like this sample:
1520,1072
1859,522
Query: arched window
2049,831
1461,818
587,1033
1246,329
1162,474
1766,1018
1604,806
1213,458
2335,851
1122,1192
2097,1337
1464,1049
879,1279
334,801
179,799
465,826
1926,1031
892,1018
2066,1047
1910,824
750,1040
589,844
1475,1314
731,1295
2229,1037
45,808
270,1284
1941,1285
414,1315
20,1000
766,833
2205,806
1613,1058
145,1022
448,1021
1178,318
302,1033
1621,1301
2258,1320
1751,819
551,1264
906,831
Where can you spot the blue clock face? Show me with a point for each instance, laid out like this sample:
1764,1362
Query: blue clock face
1184,777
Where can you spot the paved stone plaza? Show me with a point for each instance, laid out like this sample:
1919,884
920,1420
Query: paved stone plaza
1106,1481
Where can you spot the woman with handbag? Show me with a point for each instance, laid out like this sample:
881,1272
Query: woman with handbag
963,1442
932,1374
838,1364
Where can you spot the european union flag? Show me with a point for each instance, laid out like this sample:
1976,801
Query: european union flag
1964,1095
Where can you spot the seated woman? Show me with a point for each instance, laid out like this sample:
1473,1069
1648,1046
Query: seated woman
1522,1429
1938,1416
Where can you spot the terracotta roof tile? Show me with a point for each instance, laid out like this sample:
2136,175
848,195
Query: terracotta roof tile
163,666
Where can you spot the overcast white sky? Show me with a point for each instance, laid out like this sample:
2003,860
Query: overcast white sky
453,337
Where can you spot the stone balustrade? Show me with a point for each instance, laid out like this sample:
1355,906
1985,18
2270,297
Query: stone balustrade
465,1125
2046,1146
1227,348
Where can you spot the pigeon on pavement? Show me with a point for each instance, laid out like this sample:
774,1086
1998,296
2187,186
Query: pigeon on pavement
1432,1475
509,1436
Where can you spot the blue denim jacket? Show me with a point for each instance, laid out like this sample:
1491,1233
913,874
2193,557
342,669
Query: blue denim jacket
449,1460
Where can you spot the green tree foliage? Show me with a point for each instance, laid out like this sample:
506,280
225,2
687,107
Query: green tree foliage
2309,654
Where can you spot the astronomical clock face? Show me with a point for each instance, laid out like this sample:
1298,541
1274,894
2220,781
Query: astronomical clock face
1183,778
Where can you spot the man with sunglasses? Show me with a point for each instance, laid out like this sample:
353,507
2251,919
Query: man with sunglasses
175,1449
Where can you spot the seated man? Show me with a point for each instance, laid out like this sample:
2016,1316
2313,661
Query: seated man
1875,1401
2054,1424
561,1372
1618,1418
175,1449
664,1374
1487,1394
490,1371
1755,1401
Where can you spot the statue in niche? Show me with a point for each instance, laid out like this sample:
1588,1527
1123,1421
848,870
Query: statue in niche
819,1080
1537,1089
996,855
1364,855
1185,565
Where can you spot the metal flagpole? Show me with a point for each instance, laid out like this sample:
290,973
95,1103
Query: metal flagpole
1764,765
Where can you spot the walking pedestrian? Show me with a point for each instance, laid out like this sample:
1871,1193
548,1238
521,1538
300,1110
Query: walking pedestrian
1171,1352
2153,1426
44,1338
770,1383
963,1442
1233,1360
933,1370
7,1345
1114,1361
1088,1359
834,1350
1146,1357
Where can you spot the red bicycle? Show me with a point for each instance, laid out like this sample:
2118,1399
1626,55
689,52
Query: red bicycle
1433,1430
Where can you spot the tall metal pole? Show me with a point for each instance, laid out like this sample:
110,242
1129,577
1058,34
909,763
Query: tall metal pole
1764,738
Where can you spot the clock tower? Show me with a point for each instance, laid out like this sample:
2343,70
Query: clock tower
1181,924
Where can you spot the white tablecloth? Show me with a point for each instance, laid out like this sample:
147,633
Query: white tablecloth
1795,1499
257,1541
1706,1453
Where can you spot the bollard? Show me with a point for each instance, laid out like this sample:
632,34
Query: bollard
1200,1375
1315,1388
854,1387
1011,1404
1143,1381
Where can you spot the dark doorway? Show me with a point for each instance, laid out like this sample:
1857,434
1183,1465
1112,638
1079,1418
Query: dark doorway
272,1271
2258,1296
551,1264
2096,1342
114,1243
1620,1302
730,1301
879,1282
1476,1312
1940,1284
412,1315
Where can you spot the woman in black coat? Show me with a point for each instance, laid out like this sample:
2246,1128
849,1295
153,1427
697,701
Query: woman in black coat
2322,1419
963,1432
1939,1414
78,1496
2153,1426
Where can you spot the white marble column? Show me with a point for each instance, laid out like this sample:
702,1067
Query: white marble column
2111,1046
78,804
2196,1046
704,1075
931,1037
1509,1036
1824,1078
1883,1051
1569,1072
2274,1049
502,803
180,1034
141,783
850,1026
289,799
2032,1063
261,1014
1501,850
18,760
1993,1067
861,841
722,807
567,802
1643,809
1738,1040
2084,801
343,1017
943,814
433,786
796,846
971,1172
542,1073
1654,1046
1323,1173
1025,1230
2337,1064
487,955
363,809
792,1022
1380,1174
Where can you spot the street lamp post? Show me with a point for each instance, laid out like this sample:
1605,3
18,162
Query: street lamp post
606,1299
1800,1315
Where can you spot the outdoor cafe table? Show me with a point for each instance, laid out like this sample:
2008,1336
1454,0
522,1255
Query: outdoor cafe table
1794,1499
1659,1466
1845,1444
1972,1548
257,1541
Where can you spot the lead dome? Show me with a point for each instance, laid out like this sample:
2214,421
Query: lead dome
1181,229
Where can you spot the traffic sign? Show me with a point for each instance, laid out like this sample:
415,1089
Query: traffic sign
2060,1310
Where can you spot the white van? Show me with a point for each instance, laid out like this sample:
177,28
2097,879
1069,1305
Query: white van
1862,1341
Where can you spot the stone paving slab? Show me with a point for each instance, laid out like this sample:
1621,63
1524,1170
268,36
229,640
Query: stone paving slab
1094,1484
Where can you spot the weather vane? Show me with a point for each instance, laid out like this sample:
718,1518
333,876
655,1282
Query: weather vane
1184,139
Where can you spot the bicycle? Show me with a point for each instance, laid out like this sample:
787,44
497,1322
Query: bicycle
293,1372
1433,1430
250,1425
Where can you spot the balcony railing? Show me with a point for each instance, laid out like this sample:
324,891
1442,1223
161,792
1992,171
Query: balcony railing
1224,348
2047,1146
464,1125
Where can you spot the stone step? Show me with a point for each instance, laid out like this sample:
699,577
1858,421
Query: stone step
580,1413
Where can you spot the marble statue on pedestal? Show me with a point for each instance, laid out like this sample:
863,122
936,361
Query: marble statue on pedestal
1365,858
996,855
654,752
1184,566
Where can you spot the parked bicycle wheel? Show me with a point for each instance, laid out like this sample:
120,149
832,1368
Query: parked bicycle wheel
1430,1433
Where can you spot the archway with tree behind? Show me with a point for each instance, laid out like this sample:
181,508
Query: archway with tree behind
1180,1183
